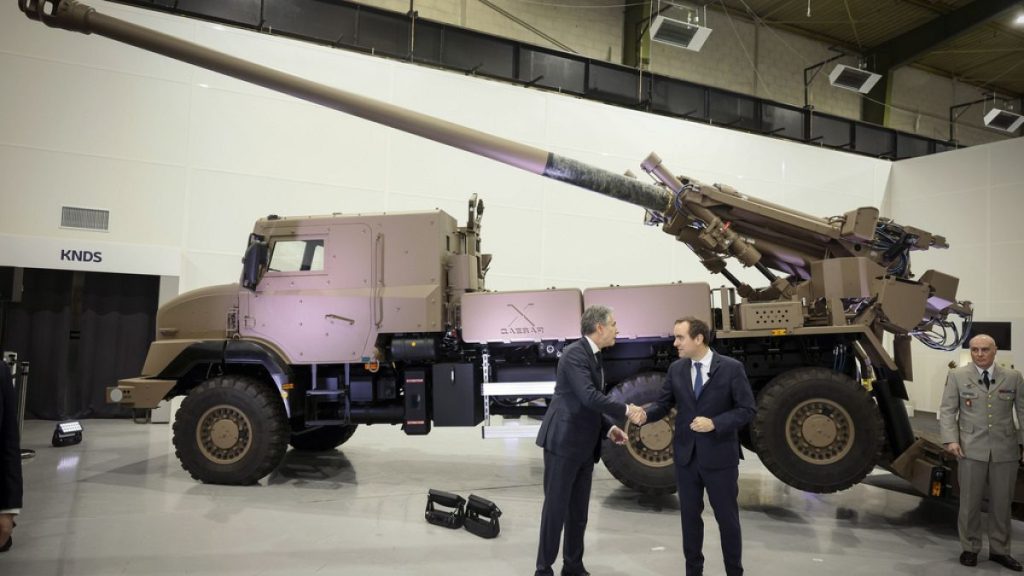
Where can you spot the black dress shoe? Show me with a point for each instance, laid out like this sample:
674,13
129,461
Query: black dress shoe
580,573
969,558
1007,561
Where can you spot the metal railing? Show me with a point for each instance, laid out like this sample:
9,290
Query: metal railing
352,26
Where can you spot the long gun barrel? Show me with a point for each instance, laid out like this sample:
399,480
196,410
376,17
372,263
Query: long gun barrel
78,17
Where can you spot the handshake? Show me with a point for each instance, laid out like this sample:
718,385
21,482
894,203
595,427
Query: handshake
636,414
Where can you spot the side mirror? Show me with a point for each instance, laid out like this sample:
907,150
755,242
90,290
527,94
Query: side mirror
254,263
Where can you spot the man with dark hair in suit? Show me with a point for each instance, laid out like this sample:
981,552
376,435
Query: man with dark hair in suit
571,437
976,425
713,401
10,459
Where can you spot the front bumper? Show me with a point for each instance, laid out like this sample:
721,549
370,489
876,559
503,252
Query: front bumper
139,392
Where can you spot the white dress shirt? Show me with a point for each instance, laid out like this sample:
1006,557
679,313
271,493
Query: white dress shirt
705,369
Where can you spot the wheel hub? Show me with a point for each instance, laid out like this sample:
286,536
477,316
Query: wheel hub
651,444
224,434
820,431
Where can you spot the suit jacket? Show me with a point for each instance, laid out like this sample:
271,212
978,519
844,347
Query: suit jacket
981,420
10,448
573,424
726,399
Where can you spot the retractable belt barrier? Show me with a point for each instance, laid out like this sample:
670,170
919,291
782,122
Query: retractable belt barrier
482,517
452,518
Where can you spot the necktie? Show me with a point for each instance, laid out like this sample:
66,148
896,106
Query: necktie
600,366
984,378
698,380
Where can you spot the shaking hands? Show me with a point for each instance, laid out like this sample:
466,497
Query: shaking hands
636,414
618,435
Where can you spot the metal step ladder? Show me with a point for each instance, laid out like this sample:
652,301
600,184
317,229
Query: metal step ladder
511,428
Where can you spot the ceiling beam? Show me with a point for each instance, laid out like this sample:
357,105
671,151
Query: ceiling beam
908,46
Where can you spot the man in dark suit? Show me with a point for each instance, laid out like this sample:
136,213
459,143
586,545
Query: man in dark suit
713,401
571,437
976,425
10,459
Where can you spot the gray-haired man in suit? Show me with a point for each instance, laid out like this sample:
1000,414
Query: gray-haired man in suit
976,423
571,434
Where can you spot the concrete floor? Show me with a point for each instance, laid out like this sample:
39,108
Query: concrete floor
119,503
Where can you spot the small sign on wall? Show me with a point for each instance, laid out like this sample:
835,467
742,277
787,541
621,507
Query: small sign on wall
89,255
72,255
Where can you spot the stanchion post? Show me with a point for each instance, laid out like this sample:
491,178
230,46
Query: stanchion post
21,386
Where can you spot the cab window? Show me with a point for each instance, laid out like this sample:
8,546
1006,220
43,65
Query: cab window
297,256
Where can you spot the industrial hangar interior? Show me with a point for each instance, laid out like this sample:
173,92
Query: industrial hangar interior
393,337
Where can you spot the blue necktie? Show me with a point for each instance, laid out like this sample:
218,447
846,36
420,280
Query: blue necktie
698,380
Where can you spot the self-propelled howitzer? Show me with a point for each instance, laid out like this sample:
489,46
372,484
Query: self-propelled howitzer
427,351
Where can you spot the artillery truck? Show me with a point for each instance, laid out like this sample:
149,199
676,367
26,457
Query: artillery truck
343,320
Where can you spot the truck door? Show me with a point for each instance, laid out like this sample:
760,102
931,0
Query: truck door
314,301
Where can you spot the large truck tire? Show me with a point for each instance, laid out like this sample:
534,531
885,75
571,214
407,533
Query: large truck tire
644,463
322,438
817,430
231,430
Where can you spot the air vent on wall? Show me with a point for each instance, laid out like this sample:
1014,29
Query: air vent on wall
84,218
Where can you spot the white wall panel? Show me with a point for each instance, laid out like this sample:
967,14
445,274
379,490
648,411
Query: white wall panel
589,251
145,200
574,124
1012,312
56,106
1005,165
961,216
1006,271
930,175
283,139
222,206
812,168
1004,207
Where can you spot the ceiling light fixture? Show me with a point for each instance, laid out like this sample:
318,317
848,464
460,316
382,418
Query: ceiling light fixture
1003,120
678,33
851,78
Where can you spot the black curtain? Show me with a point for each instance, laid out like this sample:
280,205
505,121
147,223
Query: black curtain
80,332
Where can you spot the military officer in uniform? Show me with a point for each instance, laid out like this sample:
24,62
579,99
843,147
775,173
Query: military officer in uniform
976,424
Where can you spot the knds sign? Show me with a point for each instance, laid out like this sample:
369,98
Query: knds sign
81,256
